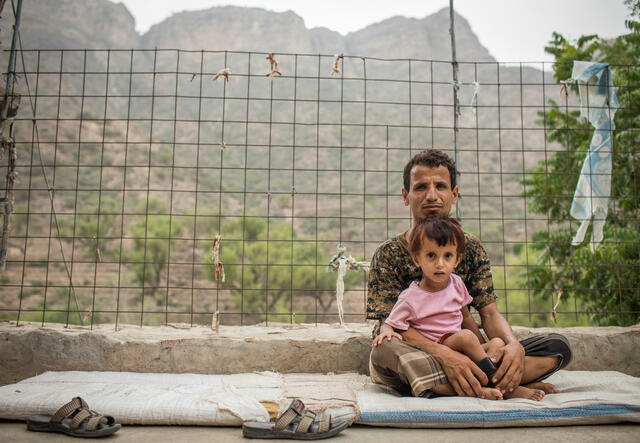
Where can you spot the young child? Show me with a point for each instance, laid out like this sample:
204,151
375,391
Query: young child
437,305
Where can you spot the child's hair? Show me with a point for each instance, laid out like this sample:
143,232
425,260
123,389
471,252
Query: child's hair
443,230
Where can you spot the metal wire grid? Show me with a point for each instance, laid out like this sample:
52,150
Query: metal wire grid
156,158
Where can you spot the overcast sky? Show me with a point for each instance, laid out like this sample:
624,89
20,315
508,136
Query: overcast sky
512,30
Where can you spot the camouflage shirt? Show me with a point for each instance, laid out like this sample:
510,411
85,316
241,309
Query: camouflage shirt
392,271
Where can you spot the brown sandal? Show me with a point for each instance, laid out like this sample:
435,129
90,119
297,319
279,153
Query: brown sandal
75,419
297,422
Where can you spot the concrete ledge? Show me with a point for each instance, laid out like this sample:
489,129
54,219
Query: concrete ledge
30,349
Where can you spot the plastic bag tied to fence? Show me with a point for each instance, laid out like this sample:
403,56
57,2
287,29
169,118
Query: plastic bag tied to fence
598,103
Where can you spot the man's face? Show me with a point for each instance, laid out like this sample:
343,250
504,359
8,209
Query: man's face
429,192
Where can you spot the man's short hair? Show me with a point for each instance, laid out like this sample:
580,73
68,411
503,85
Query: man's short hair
441,229
432,158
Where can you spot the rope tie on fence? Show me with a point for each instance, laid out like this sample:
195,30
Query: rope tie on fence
474,99
336,61
215,258
275,68
215,321
223,146
98,255
339,262
456,86
222,73
554,314
564,88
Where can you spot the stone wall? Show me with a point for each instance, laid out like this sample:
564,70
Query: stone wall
29,349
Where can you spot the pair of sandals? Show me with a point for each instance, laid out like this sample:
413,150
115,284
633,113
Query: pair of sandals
78,420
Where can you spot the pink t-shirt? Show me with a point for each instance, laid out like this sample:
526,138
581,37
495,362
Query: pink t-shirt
433,314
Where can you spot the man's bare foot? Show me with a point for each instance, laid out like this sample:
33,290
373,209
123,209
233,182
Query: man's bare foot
548,388
522,392
491,394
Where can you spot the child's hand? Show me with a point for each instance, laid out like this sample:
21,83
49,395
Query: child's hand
387,332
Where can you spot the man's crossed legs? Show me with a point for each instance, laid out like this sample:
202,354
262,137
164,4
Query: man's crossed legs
411,371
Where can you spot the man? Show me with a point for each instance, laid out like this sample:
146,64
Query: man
411,363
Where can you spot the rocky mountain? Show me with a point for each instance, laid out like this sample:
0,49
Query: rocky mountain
427,38
80,24
232,28
71,24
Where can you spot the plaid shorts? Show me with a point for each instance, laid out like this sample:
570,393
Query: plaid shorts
411,371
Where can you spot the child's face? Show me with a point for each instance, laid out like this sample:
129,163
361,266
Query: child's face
437,263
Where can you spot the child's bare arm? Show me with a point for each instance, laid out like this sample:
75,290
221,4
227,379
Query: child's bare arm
469,323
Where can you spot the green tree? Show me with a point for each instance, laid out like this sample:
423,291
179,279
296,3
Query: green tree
60,307
521,307
606,284
153,237
94,230
91,229
260,255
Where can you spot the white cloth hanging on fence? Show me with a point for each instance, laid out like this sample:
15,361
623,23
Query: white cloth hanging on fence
342,264
598,103
342,271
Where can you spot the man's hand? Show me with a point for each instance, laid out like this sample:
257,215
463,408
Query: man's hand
511,365
510,357
465,377
387,332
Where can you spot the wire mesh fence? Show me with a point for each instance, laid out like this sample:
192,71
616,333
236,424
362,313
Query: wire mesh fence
131,162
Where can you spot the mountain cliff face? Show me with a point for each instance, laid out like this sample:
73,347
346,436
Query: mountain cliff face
71,24
80,24
427,38
326,41
231,28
